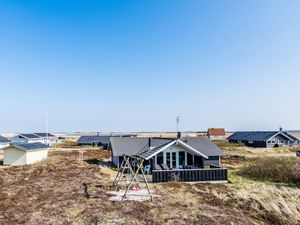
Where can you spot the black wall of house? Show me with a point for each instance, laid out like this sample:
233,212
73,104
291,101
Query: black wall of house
257,144
95,144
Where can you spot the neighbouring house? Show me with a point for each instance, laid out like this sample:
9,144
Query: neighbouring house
24,154
264,139
27,138
44,138
98,140
216,133
4,142
192,159
48,138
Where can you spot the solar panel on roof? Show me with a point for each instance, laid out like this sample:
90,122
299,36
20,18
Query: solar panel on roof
29,136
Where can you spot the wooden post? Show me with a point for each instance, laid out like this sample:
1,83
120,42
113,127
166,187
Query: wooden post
125,165
80,158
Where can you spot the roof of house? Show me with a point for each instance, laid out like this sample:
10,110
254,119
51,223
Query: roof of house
205,146
3,139
147,152
29,147
135,145
91,139
216,131
44,134
258,136
291,136
105,138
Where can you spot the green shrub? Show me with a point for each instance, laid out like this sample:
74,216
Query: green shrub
277,169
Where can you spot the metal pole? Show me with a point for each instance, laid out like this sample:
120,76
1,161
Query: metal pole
46,127
177,123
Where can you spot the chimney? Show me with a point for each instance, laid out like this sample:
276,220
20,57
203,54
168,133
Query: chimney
178,135
149,142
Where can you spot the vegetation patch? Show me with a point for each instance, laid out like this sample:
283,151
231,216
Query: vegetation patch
67,144
52,192
276,169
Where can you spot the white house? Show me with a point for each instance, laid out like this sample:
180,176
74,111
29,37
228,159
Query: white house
26,138
216,133
24,154
44,138
4,142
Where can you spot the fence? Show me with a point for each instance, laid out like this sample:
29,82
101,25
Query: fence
190,175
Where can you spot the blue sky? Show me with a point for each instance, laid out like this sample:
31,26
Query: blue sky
136,65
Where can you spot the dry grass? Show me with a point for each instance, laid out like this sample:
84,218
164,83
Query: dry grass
277,169
48,193
242,150
52,193
67,144
276,204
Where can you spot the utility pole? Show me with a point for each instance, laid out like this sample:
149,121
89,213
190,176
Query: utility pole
46,127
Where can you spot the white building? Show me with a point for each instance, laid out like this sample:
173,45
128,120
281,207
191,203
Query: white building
26,138
216,133
24,154
44,138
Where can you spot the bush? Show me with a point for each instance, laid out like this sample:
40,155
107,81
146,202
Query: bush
277,169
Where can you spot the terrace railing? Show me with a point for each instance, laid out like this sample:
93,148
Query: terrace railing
190,175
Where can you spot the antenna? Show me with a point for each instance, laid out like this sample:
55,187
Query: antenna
46,127
177,123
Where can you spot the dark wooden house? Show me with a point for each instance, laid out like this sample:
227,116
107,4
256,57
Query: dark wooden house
191,159
99,140
264,139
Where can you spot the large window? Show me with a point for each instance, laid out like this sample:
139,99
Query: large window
160,158
198,161
173,160
189,159
181,158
